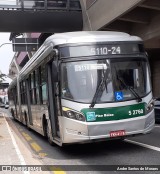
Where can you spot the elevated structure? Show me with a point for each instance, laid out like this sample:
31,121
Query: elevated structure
139,17
37,19
40,16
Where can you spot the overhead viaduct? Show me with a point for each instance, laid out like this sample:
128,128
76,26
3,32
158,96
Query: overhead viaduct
40,16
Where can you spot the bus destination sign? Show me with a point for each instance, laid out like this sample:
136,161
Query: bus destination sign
101,50
104,50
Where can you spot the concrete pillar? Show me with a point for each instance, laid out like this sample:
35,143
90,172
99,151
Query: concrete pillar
154,59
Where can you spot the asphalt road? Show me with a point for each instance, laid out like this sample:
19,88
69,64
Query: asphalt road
141,150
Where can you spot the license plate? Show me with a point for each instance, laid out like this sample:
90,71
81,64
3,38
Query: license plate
117,133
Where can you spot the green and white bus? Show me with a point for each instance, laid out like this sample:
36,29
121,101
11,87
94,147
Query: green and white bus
85,86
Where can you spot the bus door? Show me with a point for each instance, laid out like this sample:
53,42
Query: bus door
53,98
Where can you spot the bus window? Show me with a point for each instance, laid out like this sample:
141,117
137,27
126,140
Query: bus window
33,97
16,98
43,85
131,74
44,94
30,91
43,74
21,92
37,87
24,93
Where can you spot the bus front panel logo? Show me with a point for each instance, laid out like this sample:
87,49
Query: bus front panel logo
91,116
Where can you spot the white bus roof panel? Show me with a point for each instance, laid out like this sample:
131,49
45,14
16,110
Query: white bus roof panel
90,36
75,38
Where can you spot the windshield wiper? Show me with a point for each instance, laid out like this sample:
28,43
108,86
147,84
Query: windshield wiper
100,85
139,99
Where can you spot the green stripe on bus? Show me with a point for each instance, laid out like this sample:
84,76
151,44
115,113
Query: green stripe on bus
114,113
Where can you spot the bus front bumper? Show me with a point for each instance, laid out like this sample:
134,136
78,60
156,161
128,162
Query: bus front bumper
73,131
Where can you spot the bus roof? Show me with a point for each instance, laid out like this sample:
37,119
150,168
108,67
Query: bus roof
90,36
73,38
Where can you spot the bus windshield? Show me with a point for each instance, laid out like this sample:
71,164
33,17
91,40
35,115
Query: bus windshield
81,80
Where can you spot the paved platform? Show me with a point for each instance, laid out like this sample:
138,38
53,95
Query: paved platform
13,150
8,155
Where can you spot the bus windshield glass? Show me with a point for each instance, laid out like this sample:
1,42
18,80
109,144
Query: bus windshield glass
81,80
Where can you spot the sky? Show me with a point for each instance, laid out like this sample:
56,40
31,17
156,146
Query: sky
8,2
6,53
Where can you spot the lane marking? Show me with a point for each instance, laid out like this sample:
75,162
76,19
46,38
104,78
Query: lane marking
36,147
57,170
143,145
157,126
20,156
26,136
42,154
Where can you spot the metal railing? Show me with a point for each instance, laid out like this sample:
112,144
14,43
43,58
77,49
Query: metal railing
37,5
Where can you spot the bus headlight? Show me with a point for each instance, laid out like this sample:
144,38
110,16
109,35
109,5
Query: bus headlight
69,113
150,106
